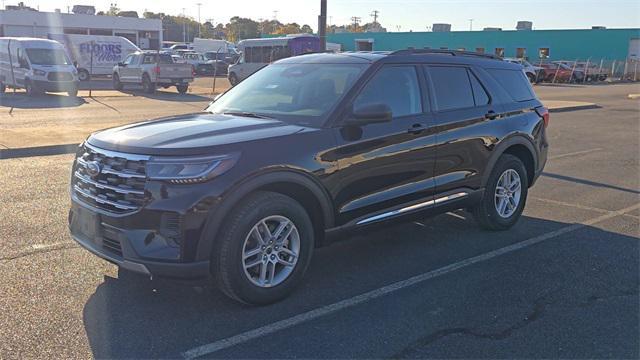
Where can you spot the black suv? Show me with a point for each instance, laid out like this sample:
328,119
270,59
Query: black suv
304,149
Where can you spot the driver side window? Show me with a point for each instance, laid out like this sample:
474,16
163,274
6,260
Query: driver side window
395,86
127,61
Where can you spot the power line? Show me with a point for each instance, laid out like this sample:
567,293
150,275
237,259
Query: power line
356,21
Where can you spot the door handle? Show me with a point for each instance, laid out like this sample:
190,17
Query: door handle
490,115
416,129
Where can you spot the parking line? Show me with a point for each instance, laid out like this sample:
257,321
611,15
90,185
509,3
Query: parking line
583,152
577,206
359,299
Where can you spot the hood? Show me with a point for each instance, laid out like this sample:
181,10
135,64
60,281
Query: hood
191,134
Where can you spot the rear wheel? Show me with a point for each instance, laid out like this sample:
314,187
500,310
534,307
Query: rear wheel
264,249
233,79
30,88
117,85
147,86
83,75
505,195
182,89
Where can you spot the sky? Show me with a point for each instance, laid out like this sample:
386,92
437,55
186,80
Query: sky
400,15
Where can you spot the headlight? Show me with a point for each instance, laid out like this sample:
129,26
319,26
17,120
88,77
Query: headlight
189,170
39,72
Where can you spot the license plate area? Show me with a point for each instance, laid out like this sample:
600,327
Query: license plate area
88,224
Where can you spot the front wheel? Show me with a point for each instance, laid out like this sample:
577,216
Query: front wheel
31,89
505,195
263,249
182,89
117,85
73,93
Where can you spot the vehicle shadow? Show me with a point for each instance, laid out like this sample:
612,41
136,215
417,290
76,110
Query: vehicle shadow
132,317
166,95
20,100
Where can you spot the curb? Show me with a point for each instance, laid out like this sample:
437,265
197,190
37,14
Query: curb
574,108
38,151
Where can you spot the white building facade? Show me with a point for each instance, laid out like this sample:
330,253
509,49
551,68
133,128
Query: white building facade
146,33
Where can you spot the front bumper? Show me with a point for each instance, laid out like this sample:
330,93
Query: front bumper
144,251
56,86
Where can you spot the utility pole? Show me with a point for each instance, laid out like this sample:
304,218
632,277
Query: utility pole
199,24
356,21
275,14
470,24
374,14
322,25
184,27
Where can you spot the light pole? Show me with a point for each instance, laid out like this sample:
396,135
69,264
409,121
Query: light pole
322,25
470,24
199,25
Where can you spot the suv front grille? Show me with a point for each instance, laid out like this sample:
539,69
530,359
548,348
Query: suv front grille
118,187
59,76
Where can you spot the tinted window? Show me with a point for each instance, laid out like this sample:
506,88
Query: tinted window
297,93
452,87
395,86
479,93
514,82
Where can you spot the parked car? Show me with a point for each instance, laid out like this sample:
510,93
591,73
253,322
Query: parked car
559,72
198,62
534,73
36,65
305,149
221,61
593,71
95,54
152,70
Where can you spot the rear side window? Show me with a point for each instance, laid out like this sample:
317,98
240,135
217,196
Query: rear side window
479,93
514,82
396,86
452,89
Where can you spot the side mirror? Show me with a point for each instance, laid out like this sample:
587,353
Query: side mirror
121,64
370,114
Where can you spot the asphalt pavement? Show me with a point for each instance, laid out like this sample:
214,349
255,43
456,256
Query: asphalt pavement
563,283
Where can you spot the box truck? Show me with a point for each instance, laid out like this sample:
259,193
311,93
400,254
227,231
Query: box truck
95,54
36,65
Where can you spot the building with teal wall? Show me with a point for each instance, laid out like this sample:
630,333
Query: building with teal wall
596,44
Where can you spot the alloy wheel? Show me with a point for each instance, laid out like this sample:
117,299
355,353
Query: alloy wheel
508,193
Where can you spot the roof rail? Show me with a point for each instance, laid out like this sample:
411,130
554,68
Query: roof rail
411,51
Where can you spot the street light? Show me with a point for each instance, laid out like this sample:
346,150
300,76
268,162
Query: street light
199,25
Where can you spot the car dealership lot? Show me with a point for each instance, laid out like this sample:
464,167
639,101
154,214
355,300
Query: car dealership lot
562,283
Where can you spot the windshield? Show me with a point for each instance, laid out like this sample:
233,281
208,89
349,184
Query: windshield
298,93
48,57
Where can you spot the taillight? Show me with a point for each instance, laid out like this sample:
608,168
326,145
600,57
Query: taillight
544,113
156,70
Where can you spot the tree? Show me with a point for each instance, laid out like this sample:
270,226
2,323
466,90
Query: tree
241,28
291,28
306,29
113,10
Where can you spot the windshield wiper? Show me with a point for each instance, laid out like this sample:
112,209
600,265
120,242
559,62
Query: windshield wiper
247,114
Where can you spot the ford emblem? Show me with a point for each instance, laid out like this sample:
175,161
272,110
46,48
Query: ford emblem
93,168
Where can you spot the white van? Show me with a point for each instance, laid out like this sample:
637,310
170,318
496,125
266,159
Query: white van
107,52
36,65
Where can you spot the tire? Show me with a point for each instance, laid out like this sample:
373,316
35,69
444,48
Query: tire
30,88
532,78
83,75
486,212
147,86
73,93
182,89
233,79
238,237
117,85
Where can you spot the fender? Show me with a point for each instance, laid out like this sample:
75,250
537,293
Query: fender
510,140
255,181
